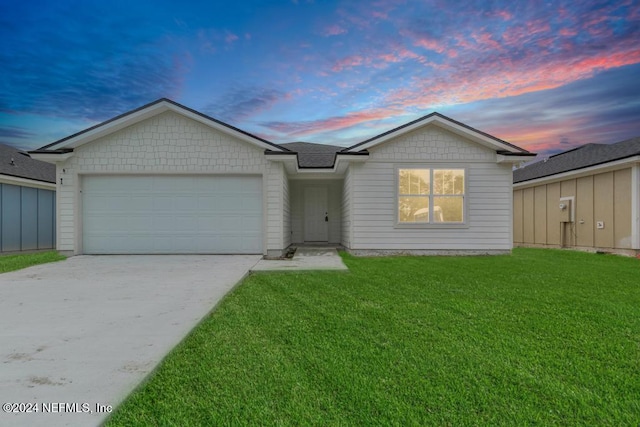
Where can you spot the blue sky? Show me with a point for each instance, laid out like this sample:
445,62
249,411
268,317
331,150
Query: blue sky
546,76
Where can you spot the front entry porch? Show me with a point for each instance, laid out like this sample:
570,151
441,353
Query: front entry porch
316,210
306,257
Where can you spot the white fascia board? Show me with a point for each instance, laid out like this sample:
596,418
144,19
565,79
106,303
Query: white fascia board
505,158
605,167
26,182
282,157
352,157
447,125
151,111
51,157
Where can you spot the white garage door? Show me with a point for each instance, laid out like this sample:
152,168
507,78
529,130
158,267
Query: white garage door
172,214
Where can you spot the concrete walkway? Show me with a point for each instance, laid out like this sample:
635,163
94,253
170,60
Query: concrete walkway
86,331
305,258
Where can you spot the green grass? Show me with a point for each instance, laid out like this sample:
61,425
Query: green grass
20,261
541,337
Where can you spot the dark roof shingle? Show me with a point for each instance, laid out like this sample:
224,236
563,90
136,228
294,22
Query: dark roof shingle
578,158
14,162
313,155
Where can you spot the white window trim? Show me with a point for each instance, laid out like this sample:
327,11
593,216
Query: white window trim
437,225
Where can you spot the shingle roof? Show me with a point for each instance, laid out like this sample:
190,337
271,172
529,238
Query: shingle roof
578,158
14,162
313,155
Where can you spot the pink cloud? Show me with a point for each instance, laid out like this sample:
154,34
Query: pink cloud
486,39
475,81
400,55
538,137
518,35
378,61
567,32
504,14
334,30
430,44
300,129
348,62
230,37
545,42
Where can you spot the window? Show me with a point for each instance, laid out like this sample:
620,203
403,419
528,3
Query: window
429,196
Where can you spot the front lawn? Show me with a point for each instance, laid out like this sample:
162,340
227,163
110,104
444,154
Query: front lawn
541,337
20,261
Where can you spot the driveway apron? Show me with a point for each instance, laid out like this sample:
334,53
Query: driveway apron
77,336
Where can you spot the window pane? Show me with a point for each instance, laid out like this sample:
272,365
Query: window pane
413,181
448,181
403,181
420,181
413,209
448,209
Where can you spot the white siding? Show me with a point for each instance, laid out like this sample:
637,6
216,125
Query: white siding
346,209
488,197
168,143
286,211
334,187
275,205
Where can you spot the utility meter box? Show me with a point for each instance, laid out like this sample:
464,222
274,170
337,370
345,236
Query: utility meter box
566,207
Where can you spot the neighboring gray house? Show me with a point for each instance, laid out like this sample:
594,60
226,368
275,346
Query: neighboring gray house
167,179
586,198
27,202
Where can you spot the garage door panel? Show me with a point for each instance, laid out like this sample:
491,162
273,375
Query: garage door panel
172,214
142,202
207,203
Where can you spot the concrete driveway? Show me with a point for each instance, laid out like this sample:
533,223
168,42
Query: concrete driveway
85,331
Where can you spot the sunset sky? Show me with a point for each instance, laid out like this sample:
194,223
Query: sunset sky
546,76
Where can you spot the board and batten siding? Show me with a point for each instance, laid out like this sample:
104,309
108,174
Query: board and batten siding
488,198
605,197
334,200
27,218
168,143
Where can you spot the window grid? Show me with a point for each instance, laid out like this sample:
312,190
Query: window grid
439,197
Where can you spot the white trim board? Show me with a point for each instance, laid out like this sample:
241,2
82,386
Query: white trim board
26,182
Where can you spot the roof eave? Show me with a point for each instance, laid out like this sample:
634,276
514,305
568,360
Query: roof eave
51,156
503,157
26,182
341,160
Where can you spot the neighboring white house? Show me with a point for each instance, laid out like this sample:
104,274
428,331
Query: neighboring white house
27,202
167,179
